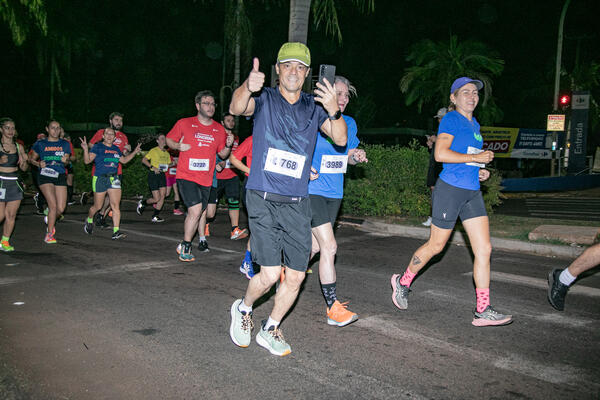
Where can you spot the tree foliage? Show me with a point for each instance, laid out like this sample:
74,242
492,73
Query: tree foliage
21,16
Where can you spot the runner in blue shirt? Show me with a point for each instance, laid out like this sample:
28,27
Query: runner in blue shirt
50,156
326,190
286,125
456,194
106,158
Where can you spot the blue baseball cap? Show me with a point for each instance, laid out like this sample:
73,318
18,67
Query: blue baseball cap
460,82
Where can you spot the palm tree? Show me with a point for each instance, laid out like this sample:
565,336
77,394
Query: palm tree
437,64
21,16
324,11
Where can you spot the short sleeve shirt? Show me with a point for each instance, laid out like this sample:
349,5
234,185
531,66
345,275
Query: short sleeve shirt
244,150
229,171
120,141
466,135
107,159
284,141
52,153
198,163
331,183
159,159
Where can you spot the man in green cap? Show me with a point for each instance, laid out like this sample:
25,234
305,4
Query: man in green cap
286,124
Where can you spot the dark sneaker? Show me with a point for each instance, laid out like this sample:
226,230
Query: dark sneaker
203,246
241,326
88,228
490,317
400,293
556,290
272,340
140,206
98,219
83,199
185,253
118,235
157,219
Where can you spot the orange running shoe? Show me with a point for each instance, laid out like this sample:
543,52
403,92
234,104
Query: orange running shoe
206,231
238,233
339,315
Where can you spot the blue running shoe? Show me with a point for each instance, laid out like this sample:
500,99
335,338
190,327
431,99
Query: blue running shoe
247,269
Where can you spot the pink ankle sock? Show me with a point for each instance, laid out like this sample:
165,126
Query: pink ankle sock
483,298
407,278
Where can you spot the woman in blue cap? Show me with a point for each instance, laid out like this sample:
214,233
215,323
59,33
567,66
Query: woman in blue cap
456,194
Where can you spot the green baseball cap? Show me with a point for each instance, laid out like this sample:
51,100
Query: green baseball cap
294,51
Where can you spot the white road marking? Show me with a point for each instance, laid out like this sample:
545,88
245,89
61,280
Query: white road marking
539,283
555,373
108,270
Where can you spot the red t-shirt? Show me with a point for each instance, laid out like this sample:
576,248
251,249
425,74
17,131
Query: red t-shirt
120,141
245,150
198,163
229,171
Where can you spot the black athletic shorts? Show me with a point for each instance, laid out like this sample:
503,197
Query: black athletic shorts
212,196
231,188
156,181
60,180
279,228
10,188
451,202
324,210
193,193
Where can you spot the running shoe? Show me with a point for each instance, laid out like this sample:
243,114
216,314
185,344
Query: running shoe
50,238
185,253
339,315
88,228
206,230
400,293
309,271
272,340
110,213
70,202
240,330
118,235
556,290
98,219
157,219
428,222
247,269
46,219
83,199
203,246
5,246
238,233
140,207
36,200
490,317
177,211
60,218
46,211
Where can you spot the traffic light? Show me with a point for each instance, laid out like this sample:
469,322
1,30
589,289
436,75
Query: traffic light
564,101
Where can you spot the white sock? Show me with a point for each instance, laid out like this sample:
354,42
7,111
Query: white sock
271,322
243,307
203,238
566,278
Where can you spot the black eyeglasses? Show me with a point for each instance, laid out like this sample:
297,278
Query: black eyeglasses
204,103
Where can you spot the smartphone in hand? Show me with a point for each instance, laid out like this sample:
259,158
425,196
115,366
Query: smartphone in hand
326,71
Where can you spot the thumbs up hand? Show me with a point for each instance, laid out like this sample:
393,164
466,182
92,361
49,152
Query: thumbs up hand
183,146
256,79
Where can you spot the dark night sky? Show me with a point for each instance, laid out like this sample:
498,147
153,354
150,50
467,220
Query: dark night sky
147,59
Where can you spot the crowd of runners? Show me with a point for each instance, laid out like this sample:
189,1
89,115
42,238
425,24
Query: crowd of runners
293,170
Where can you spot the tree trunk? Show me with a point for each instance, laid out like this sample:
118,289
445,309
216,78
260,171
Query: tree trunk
52,84
299,14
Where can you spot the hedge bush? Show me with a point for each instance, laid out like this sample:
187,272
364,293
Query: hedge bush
393,182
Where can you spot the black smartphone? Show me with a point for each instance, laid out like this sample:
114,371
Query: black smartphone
326,71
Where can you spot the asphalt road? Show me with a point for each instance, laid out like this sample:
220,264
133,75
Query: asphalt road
125,319
577,208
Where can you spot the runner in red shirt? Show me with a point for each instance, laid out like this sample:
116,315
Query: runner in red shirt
115,119
172,182
199,139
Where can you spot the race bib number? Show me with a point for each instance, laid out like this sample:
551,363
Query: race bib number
163,167
115,183
199,164
285,163
2,193
172,171
49,172
333,164
474,150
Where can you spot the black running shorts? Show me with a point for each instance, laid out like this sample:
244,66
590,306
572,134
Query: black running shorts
451,202
324,210
156,181
193,193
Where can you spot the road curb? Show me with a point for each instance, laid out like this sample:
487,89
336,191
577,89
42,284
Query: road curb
538,249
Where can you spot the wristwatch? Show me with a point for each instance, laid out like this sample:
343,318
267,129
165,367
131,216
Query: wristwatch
336,116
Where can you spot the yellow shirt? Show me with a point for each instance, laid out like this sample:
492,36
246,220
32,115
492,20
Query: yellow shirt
159,159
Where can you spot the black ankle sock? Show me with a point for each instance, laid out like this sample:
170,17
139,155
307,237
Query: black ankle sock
329,292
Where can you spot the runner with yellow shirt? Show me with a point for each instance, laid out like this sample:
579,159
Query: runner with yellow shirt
158,160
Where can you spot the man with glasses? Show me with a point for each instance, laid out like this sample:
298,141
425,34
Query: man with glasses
199,140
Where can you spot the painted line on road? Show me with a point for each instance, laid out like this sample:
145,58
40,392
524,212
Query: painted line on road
556,373
108,270
538,283
161,237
